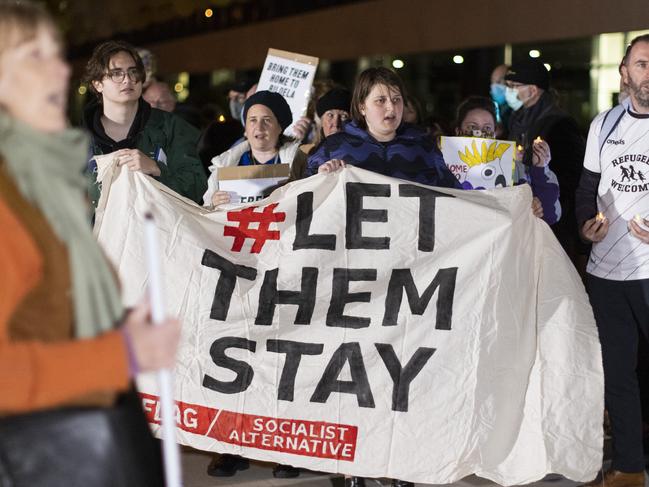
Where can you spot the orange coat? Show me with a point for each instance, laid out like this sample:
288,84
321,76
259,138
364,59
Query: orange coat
41,364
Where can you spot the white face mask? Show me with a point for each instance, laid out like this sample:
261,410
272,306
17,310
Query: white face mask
511,97
236,109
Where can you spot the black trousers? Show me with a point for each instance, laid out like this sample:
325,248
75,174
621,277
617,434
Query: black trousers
621,311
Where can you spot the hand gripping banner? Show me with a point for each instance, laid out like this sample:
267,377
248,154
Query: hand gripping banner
361,324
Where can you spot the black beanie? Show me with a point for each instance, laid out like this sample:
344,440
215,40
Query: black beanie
275,102
244,83
529,72
335,99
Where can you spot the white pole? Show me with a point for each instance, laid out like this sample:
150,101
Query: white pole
170,450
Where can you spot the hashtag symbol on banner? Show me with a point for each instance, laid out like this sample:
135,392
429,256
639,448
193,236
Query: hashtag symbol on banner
261,234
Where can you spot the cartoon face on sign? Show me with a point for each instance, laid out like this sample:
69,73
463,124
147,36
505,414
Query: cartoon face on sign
486,168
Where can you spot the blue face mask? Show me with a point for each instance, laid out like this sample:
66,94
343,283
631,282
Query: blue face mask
497,92
511,97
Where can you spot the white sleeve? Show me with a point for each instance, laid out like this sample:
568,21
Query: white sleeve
212,185
591,156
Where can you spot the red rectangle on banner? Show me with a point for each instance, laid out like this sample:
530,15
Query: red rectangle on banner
299,437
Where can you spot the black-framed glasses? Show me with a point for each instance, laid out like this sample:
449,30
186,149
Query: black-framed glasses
118,75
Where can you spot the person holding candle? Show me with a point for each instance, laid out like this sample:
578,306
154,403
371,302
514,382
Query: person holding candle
536,113
476,117
613,214
68,349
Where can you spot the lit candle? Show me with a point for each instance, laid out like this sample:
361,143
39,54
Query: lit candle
519,147
538,139
600,216
638,219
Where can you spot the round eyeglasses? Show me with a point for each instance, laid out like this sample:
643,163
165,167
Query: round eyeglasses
118,75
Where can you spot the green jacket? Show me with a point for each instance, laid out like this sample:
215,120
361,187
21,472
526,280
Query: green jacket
164,137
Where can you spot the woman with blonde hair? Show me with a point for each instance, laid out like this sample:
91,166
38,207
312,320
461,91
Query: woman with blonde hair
68,350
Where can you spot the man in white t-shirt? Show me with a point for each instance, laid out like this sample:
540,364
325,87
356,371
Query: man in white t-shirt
613,214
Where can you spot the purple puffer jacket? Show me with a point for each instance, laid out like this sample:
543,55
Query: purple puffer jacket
411,155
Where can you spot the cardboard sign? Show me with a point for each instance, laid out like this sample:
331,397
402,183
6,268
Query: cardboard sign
480,163
291,75
364,325
247,184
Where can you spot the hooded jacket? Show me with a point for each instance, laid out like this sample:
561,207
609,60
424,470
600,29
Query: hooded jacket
546,120
162,136
412,155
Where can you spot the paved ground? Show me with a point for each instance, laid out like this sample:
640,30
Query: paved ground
261,474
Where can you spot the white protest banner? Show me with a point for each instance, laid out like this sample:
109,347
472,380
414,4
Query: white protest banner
361,324
247,184
480,163
291,75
